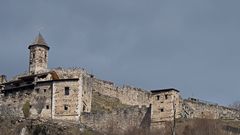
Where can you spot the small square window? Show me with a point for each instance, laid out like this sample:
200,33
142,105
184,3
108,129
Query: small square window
66,91
65,107
162,110
158,97
44,90
47,106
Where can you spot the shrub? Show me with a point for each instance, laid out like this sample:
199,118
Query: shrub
26,109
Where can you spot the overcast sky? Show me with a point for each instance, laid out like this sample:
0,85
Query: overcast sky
191,45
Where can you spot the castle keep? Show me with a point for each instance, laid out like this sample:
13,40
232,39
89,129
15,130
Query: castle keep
76,95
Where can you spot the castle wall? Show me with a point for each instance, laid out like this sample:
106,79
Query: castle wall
13,101
87,93
196,109
163,106
127,95
67,100
43,99
118,120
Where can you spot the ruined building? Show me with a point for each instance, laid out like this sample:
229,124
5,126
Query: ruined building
75,95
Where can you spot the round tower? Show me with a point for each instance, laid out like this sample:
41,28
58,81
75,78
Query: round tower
38,60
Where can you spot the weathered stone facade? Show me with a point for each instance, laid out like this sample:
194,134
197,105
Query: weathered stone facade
194,108
166,104
38,55
69,94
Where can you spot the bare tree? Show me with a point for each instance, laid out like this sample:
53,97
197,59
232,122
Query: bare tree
40,104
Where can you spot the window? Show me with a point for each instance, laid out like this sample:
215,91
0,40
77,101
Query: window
37,90
44,90
65,107
166,96
84,107
66,91
162,110
158,97
47,106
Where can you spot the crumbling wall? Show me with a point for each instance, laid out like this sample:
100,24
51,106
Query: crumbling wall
13,102
69,73
196,109
126,94
118,120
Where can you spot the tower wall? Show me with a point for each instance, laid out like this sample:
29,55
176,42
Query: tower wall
38,60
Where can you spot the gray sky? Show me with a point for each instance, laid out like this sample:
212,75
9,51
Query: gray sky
191,45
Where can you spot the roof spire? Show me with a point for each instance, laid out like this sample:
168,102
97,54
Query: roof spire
39,40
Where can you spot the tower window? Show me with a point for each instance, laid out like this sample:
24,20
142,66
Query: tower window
44,90
66,91
158,97
47,106
166,96
65,107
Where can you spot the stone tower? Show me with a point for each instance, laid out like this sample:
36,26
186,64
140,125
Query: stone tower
38,59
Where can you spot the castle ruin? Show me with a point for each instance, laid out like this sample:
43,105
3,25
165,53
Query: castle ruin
76,95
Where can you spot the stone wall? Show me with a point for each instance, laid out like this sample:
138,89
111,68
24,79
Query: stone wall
3,79
38,59
118,120
43,101
14,101
198,109
87,93
66,100
127,95
163,104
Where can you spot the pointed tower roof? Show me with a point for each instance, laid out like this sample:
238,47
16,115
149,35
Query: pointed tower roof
39,40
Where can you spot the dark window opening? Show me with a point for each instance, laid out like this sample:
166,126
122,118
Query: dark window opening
66,90
30,106
162,110
84,108
44,90
47,106
166,96
37,90
158,97
65,107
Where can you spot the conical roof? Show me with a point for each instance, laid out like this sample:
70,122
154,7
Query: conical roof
39,40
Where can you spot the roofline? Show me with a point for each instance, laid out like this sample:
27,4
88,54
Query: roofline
60,80
164,90
39,45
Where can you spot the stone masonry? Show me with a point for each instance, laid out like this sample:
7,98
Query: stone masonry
67,94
